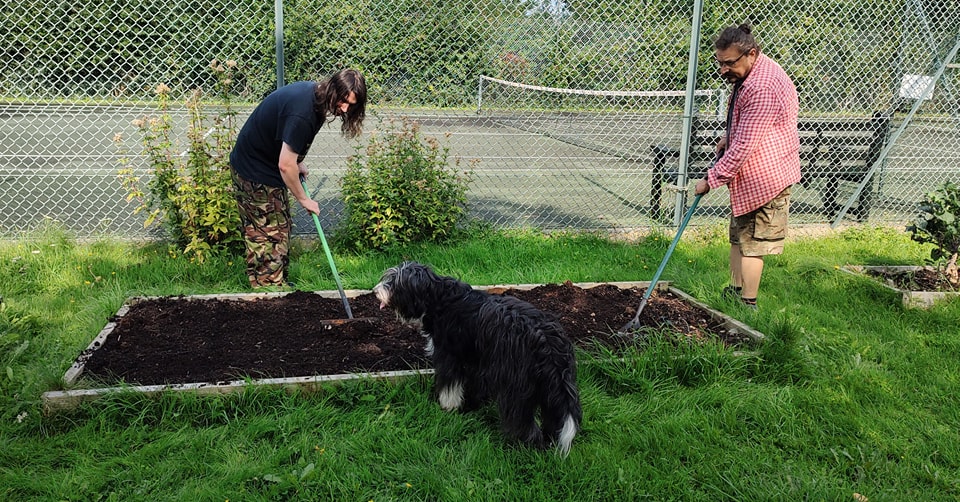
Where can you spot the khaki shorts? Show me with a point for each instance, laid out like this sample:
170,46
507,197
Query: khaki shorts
761,232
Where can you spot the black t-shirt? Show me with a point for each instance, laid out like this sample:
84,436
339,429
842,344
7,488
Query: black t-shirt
285,116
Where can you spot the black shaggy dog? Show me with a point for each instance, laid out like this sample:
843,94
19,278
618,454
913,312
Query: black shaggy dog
489,347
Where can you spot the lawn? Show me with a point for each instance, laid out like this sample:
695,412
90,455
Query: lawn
851,395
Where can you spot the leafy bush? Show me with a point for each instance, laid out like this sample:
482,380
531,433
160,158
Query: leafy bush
402,190
191,193
939,223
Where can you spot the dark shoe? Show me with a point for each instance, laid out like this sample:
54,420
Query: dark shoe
730,293
750,303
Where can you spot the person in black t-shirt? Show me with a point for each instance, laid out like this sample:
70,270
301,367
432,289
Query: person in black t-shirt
267,160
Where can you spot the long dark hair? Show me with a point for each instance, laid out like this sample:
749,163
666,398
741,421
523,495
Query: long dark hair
335,90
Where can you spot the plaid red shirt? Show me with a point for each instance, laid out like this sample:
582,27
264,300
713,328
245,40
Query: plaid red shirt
763,154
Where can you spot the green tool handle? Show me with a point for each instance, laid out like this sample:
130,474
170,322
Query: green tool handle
666,257
326,249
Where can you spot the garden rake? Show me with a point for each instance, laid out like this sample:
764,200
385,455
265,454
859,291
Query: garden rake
326,249
634,324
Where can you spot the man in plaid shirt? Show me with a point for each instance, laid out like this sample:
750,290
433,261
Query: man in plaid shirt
760,156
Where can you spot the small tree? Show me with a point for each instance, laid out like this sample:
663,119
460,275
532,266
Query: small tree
402,190
190,191
939,223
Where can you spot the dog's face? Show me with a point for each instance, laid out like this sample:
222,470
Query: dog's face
402,288
384,289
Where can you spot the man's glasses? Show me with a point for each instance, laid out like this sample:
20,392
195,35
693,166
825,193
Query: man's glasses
730,62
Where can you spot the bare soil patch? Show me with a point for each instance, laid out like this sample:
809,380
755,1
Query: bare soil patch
178,340
923,279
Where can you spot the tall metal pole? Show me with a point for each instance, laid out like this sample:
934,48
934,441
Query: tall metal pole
278,35
689,109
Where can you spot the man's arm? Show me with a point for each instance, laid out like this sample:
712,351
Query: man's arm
756,119
290,171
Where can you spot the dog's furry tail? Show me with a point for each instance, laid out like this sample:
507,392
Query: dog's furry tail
565,439
572,414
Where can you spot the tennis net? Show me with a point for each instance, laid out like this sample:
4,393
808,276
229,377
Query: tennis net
621,123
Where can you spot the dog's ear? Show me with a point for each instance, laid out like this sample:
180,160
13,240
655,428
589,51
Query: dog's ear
406,284
432,280
413,276
418,287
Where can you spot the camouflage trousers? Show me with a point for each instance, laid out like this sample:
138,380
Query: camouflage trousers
265,217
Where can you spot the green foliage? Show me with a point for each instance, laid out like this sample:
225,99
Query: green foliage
430,53
16,330
191,194
832,404
402,190
121,48
411,52
939,223
781,358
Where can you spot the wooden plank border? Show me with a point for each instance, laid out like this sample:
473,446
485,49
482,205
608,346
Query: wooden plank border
69,398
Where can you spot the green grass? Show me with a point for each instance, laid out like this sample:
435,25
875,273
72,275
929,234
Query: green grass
850,394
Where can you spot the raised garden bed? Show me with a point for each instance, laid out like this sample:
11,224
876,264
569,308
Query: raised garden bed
212,344
918,287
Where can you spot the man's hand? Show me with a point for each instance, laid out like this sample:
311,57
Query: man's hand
290,171
306,202
310,205
702,187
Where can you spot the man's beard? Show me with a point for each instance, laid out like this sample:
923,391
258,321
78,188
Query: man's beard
730,78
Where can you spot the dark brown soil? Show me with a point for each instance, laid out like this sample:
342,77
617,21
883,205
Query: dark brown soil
176,340
925,279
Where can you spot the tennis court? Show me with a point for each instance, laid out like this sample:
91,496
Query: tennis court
549,169
564,170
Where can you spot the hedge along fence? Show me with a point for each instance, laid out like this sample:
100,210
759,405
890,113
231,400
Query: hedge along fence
413,53
430,53
117,50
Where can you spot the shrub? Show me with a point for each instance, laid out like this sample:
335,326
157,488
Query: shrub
403,189
190,192
939,223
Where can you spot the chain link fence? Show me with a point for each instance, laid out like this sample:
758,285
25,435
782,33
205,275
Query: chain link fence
575,110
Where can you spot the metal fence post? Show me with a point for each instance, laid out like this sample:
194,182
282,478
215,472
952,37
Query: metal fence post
689,108
278,21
